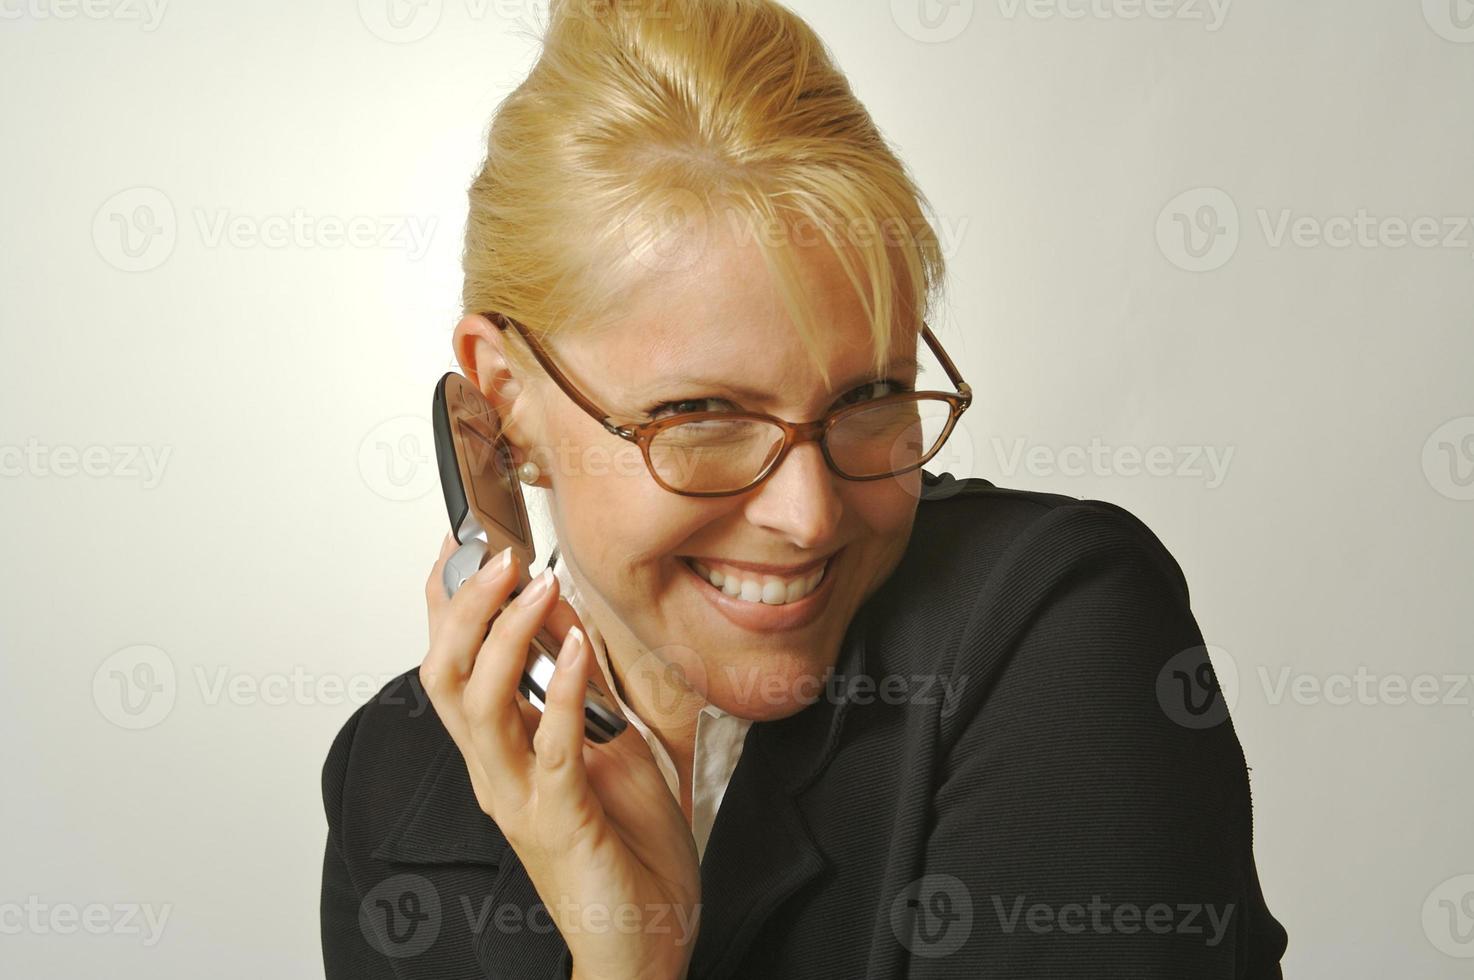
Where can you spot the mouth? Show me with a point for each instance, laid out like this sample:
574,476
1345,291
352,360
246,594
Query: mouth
761,601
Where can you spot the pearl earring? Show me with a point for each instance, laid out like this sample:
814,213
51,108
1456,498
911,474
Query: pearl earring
529,473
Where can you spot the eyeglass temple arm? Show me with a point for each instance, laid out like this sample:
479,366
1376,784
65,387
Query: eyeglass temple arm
559,378
947,365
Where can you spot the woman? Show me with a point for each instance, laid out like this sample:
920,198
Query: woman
885,723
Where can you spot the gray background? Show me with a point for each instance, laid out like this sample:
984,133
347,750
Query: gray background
1239,235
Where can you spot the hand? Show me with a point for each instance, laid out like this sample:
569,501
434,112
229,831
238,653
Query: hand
603,840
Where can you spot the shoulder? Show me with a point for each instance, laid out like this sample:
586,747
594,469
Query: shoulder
1066,623
984,563
1068,640
1089,743
1064,615
380,752
982,533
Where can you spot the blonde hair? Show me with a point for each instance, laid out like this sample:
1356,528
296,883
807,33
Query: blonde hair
638,111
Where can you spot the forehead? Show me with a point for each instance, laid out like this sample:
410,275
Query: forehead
721,320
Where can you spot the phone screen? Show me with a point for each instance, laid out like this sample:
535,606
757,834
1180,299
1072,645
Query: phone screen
493,484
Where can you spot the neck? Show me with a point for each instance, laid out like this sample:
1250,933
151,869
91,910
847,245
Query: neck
653,688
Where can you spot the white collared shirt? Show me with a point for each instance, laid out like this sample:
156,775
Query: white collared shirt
719,734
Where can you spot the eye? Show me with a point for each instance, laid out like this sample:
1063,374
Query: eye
875,389
684,406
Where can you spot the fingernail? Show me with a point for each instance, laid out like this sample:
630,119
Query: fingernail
537,589
496,566
572,643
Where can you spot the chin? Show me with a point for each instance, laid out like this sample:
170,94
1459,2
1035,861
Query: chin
769,686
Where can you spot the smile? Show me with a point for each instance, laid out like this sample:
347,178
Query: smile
759,601
773,590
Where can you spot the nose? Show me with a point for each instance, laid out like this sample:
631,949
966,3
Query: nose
799,500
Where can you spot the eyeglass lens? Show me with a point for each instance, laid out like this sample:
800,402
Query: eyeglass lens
716,455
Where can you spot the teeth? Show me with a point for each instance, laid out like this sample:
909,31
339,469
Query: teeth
767,589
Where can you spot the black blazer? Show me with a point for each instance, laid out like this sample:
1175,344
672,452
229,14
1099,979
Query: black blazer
1021,768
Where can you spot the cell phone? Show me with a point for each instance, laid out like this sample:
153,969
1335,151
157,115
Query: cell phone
487,513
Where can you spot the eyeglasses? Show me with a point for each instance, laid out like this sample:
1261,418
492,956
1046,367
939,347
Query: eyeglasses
719,454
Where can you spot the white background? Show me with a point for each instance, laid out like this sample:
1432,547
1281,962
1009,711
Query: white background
283,536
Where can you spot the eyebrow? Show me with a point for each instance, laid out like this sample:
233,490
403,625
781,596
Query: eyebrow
900,362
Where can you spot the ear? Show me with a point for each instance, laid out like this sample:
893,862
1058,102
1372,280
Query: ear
480,350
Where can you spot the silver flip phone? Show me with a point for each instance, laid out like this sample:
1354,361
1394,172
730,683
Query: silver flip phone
487,513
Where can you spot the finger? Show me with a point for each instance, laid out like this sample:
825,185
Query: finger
491,700
559,772
458,637
531,717
560,620
464,617
435,598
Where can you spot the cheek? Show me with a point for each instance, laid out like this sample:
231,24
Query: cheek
628,529
884,508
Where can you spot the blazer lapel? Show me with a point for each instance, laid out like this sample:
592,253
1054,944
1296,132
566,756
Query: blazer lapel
761,851
758,855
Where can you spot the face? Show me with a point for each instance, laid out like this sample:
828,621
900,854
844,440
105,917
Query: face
715,333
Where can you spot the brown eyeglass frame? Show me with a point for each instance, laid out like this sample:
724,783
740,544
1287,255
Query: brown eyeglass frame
794,433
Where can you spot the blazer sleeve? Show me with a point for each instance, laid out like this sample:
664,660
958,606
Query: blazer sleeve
346,953
1086,820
